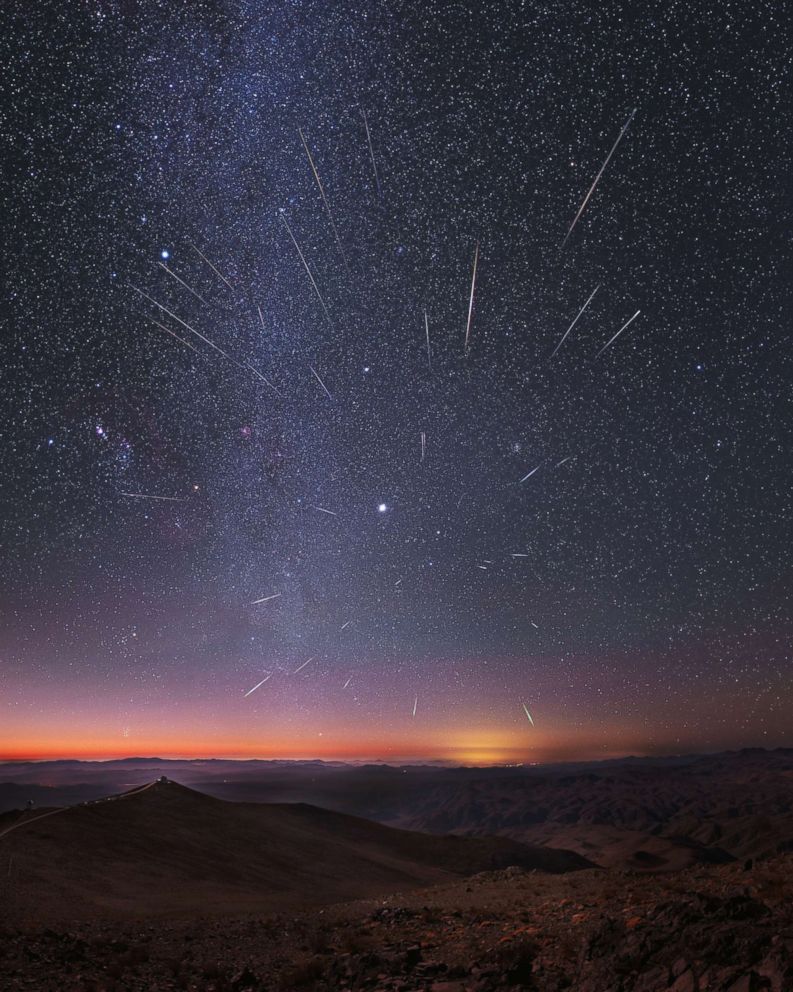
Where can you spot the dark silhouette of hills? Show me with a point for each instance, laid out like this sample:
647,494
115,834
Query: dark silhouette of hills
165,848
647,814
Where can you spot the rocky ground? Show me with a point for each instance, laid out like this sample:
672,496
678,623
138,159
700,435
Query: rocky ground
721,929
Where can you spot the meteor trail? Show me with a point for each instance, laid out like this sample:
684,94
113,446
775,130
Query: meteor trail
597,177
188,288
308,270
265,599
301,667
576,320
170,499
423,444
189,328
559,464
471,300
323,510
371,153
415,704
427,329
261,318
347,682
316,374
217,273
256,686
264,379
526,711
324,199
344,625
612,340
174,335
530,474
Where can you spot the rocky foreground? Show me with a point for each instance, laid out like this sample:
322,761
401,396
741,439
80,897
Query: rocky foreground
720,929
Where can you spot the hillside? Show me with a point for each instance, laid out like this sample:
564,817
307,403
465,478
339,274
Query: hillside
167,849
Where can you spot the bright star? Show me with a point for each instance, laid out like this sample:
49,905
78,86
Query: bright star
381,507
164,254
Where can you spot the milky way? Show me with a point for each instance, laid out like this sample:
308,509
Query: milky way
285,286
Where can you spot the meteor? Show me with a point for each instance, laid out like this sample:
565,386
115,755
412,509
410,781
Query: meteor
371,153
308,270
217,273
189,328
324,199
471,300
256,686
612,340
316,374
264,379
174,335
530,474
526,711
170,499
188,288
576,320
301,667
265,599
597,177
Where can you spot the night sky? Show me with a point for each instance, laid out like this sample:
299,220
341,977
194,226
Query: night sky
632,592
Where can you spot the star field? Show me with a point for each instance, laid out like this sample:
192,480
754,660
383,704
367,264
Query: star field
242,428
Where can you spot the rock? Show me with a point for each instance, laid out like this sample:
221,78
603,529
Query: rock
746,983
655,980
686,982
246,979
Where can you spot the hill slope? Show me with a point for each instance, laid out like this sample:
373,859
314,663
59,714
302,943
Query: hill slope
169,849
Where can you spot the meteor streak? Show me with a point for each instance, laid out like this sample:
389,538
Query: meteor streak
471,300
217,273
612,340
530,474
597,177
316,374
371,153
526,711
323,510
174,335
423,444
575,321
427,329
188,288
189,328
324,199
301,667
256,686
264,379
170,499
415,704
265,599
308,270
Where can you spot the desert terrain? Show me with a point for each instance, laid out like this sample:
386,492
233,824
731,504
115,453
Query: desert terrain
631,876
